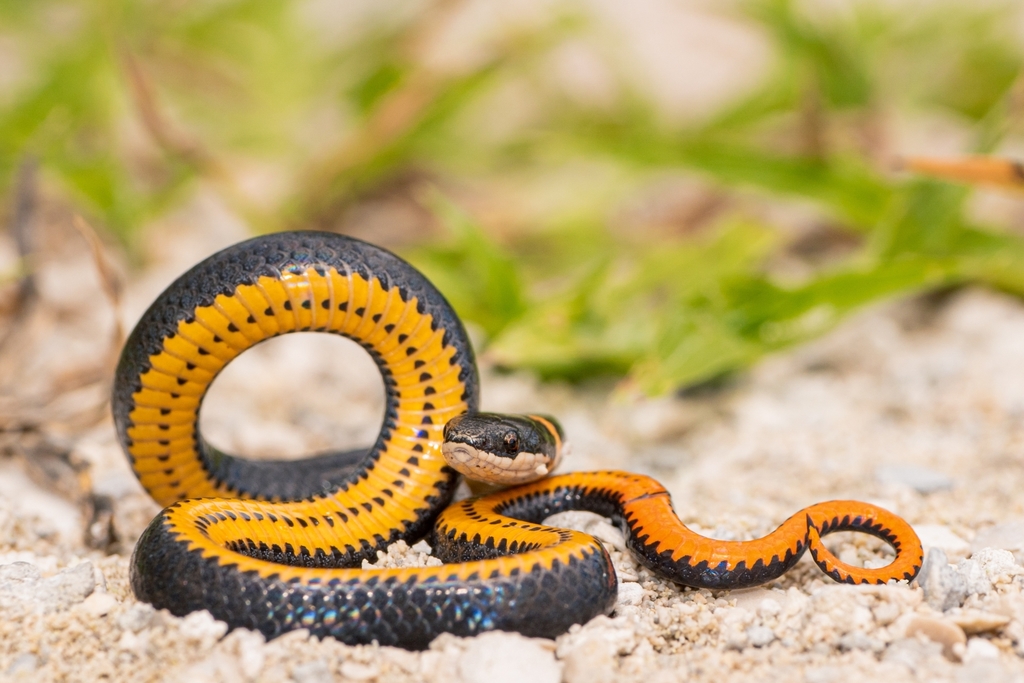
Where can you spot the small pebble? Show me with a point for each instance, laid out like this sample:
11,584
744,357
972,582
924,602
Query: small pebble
23,666
944,587
751,598
99,604
975,579
251,651
591,661
359,672
18,572
769,607
1007,536
499,657
137,617
921,479
617,636
630,594
1000,566
21,586
946,633
912,653
201,626
979,648
823,674
315,671
759,636
975,621
130,642
942,537
855,640
590,523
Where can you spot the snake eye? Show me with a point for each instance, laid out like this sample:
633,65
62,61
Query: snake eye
511,442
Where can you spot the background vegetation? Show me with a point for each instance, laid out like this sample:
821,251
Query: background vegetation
542,201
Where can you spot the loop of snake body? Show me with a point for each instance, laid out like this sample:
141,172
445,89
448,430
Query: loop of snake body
275,545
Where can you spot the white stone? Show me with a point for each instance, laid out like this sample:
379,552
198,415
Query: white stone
137,617
201,626
944,587
979,648
589,523
315,671
942,537
977,621
975,578
912,653
134,643
769,607
251,648
356,671
21,586
617,636
99,604
941,631
751,598
18,573
630,594
1000,566
23,666
921,479
590,661
1007,536
759,636
499,657
856,640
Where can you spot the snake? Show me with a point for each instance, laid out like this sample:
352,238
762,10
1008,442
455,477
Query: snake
279,545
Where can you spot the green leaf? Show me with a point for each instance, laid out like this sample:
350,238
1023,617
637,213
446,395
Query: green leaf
479,279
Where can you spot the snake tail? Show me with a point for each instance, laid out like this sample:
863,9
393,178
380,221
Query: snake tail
656,536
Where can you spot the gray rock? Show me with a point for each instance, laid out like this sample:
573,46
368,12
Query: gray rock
855,640
589,523
23,666
21,587
18,572
315,671
824,674
944,587
921,479
1006,536
942,537
759,636
498,657
137,617
590,661
912,653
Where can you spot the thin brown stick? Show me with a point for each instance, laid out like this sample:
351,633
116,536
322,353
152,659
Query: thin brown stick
23,223
973,170
108,278
395,115
180,144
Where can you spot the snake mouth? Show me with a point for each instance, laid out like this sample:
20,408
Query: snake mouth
496,469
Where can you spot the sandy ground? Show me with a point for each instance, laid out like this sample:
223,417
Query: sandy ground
915,405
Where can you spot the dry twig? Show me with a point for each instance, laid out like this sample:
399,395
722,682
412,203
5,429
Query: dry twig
22,226
108,279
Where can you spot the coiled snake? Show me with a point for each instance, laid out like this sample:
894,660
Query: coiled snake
275,545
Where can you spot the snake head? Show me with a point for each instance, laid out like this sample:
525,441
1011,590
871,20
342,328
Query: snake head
503,449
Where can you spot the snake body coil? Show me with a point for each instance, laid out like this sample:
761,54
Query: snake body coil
275,546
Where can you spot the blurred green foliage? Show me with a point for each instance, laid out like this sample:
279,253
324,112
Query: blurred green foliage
127,104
